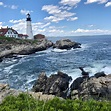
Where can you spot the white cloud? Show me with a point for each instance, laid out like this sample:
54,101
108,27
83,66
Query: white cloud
51,9
19,25
65,8
14,7
1,3
56,31
98,1
94,31
17,21
72,19
40,25
1,24
70,2
24,12
8,6
108,4
56,14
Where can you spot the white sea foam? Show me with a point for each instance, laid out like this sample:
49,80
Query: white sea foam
107,69
22,55
59,50
44,51
98,67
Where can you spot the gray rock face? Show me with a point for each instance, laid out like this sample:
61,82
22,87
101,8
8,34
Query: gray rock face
76,83
56,84
66,44
93,87
100,74
40,83
23,49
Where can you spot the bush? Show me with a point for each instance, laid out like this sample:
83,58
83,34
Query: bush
11,40
25,102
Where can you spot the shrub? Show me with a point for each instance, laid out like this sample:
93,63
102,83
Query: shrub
25,102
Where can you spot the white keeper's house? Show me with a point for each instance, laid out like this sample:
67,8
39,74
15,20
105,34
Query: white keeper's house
10,32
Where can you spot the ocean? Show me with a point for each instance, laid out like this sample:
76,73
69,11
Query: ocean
94,56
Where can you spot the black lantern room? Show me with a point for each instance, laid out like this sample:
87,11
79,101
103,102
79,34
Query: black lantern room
28,17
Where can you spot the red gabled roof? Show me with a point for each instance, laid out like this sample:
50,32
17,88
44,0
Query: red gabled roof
3,31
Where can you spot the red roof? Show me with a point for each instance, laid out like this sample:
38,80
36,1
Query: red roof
22,35
39,36
3,31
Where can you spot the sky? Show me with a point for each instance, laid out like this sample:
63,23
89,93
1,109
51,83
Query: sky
58,17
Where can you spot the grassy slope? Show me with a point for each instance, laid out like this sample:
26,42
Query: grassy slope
24,102
8,40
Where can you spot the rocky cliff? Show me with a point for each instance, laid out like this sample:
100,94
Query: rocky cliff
11,46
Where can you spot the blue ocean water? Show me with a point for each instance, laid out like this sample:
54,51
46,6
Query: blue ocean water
94,56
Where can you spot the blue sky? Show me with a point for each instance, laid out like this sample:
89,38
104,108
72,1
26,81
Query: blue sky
58,17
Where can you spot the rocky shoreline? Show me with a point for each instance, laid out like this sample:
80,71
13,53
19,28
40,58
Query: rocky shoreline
57,85
84,87
97,87
12,46
22,47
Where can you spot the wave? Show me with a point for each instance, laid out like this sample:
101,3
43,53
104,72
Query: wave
107,70
8,69
59,50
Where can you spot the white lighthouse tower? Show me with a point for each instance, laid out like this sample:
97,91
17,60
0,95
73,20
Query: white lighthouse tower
29,27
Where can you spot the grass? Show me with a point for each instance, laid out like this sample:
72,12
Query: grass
25,102
11,40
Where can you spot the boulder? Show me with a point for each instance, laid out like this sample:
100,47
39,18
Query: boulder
100,74
76,83
66,44
56,84
93,87
40,83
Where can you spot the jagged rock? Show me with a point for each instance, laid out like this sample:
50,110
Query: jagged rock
40,83
15,46
100,74
84,73
95,88
76,83
66,44
56,84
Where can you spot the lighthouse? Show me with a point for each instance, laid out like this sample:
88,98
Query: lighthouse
29,27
